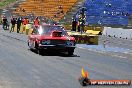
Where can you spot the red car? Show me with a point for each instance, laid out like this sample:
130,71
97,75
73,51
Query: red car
51,38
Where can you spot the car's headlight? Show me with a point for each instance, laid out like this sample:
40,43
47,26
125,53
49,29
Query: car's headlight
45,42
70,43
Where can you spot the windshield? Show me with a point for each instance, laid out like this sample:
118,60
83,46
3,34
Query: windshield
47,29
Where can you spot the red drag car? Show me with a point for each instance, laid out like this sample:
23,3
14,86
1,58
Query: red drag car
51,38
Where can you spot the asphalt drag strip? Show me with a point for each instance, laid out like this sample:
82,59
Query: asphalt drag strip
21,68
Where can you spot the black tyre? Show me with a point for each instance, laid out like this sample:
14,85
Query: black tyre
70,52
29,46
40,52
36,49
28,43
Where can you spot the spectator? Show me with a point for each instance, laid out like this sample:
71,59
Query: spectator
13,22
27,27
74,25
19,22
25,21
23,10
4,22
36,22
60,7
78,28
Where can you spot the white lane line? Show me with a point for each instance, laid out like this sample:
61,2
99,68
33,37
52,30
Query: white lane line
103,52
119,56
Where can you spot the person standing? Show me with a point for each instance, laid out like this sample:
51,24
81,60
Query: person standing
27,27
78,27
74,23
19,22
13,22
36,22
25,22
4,22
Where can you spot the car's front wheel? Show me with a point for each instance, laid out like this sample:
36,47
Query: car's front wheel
70,52
29,45
41,52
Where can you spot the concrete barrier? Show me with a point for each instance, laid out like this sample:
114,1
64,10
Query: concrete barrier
118,32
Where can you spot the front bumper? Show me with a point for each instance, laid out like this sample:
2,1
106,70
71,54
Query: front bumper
57,47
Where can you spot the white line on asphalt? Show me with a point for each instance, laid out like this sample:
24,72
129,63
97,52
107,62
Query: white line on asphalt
103,52
118,56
